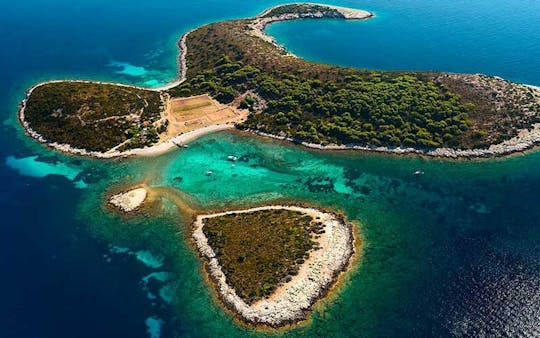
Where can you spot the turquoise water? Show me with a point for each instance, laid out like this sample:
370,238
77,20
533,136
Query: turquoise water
446,253
451,253
31,166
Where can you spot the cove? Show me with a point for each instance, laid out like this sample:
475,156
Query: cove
457,36
446,252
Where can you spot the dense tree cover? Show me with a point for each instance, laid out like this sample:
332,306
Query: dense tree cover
320,103
325,104
94,116
292,97
399,111
396,111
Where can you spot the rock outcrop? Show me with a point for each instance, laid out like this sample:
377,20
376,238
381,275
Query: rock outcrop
129,201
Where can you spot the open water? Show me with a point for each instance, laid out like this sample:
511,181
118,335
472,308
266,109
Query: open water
451,253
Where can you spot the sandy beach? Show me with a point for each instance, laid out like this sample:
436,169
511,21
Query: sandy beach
154,150
525,140
292,301
157,149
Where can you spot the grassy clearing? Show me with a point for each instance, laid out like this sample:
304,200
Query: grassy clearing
260,250
325,104
191,107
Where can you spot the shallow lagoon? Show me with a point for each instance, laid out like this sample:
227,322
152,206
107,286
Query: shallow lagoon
453,252
431,241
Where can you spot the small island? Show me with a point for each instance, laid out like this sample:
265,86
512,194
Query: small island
232,74
129,201
271,264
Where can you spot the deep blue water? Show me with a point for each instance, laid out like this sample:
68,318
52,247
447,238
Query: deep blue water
58,280
55,281
496,37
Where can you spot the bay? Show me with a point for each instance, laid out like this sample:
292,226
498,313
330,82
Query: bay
453,252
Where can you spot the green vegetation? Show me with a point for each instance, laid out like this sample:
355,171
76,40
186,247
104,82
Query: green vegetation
94,116
325,104
292,97
259,250
303,10
502,108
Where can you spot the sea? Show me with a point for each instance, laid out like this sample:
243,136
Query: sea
452,252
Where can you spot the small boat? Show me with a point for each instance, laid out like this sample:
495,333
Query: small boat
232,158
418,172
180,145
209,173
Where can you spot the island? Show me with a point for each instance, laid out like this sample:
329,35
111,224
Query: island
129,201
233,75
109,120
271,264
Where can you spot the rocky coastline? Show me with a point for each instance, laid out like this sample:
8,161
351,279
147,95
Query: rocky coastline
261,21
526,140
153,150
182,64
292,301
130,200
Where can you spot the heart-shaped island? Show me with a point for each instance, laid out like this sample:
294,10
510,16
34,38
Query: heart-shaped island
271,264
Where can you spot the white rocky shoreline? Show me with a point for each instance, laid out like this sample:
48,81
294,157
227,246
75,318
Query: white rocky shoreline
292,301
152,150
347,12
260,22
525,140
166,146
129,201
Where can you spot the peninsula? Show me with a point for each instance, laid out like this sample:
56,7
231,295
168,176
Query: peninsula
271,264
232,74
